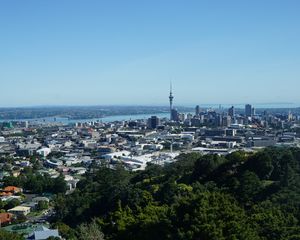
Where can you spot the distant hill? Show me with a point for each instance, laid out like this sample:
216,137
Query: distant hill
81,112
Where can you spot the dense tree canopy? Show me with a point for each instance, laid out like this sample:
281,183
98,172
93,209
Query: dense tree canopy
4,235
37,183
238,196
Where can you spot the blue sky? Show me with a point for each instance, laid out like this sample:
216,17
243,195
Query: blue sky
69,52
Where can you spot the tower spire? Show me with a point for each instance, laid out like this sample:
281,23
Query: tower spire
171,97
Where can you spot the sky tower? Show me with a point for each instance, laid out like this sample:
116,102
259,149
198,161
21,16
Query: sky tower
171,101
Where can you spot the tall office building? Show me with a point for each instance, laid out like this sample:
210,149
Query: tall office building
153,122
290,116
231,112
253,111
248,110
171,97
197,110
226,121
174,115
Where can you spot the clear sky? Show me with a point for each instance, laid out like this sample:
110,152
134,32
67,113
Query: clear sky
69,52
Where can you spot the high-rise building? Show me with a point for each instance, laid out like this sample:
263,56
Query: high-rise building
189,116
226,121
231,112
248,110
197,110
253,111
181,117
218,120
290,116
171,97
174,115
153,122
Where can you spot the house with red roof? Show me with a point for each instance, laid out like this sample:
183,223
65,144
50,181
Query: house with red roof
5,218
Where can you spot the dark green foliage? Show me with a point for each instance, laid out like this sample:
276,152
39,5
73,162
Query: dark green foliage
53,238
96,195
211,216
37,183
42,205
64,230
272,222
261,164
12,203
206,165
249,186
4,235
242,196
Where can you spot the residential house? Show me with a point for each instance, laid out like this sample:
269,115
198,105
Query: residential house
5,218
12,189
42,233
20,210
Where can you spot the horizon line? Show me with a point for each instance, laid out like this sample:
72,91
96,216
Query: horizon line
207,105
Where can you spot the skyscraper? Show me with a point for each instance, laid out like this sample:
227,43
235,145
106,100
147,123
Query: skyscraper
253,112
171,101
231,112
174,115
197,110
290,116
248,110
153,122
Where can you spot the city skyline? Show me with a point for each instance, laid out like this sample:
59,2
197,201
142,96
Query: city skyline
140,120
73,53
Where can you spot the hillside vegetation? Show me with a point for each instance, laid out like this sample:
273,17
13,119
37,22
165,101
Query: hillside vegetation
239,196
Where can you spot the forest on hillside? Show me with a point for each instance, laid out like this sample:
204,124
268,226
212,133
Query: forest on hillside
238,196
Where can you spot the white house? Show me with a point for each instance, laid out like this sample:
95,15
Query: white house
20,210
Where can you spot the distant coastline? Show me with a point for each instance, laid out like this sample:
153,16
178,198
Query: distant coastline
103,119
119,113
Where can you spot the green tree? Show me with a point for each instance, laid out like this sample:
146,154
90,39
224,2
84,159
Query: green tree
211,216
206,165
42,205
65,231
12,203
4,235
250,185
90,231
273,223
261,164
